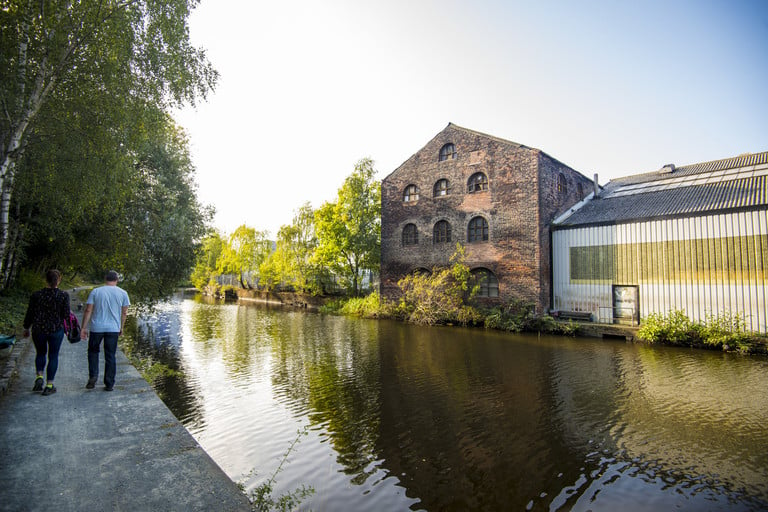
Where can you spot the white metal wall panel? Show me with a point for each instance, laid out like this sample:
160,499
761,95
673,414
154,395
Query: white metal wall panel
737,286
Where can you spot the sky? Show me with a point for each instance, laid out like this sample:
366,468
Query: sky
307,88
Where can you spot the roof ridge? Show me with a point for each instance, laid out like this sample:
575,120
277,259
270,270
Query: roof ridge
720,164
482,134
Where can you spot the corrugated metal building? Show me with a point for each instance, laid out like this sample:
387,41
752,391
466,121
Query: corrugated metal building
691,238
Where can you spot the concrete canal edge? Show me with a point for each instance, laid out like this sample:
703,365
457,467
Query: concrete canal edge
81,449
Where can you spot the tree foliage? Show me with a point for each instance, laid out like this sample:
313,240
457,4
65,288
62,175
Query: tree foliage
442,296
142,217
291,264
243,253
349,230
83,91
206,262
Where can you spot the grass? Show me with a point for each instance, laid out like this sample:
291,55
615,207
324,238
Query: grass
13,306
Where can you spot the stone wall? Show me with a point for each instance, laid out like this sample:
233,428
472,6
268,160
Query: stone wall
283,298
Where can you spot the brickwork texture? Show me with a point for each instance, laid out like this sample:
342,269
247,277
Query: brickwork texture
526,190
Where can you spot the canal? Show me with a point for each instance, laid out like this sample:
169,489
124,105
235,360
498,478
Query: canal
399,417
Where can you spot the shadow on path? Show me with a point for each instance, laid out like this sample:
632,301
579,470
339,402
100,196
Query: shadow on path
81,449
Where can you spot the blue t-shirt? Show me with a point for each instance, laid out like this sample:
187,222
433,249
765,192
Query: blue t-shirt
108,302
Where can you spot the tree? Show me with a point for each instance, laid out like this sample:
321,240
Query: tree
291,262
141,217
206,262
244,252
440,296
58,51
349,230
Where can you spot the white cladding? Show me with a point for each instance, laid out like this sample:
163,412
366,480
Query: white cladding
701,293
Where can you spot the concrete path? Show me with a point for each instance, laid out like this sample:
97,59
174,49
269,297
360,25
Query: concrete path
81,449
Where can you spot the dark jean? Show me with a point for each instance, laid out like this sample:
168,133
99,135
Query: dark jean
110,348
48,344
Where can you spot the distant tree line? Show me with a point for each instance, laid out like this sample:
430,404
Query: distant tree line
94,174
339,242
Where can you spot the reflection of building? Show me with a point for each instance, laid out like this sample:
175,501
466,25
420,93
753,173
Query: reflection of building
495,197
692,238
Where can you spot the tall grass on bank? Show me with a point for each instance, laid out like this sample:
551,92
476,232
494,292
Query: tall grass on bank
725,332
370,306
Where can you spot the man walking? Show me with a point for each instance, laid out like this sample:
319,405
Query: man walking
105,309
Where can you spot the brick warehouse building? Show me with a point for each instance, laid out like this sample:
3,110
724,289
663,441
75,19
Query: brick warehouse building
495,197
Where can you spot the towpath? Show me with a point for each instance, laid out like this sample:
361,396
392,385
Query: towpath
89,449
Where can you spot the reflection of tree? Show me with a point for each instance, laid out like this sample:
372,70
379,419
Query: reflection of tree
471,419
229,331
331,365
142,341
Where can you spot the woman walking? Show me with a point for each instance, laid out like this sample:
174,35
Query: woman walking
46,313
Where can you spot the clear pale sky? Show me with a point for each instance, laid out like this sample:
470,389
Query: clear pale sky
308,88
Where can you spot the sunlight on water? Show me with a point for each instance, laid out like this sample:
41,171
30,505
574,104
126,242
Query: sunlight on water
405,418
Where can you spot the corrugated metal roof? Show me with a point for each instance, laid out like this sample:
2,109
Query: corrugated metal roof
738,182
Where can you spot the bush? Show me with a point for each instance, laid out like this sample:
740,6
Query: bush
440,297
726,332
519,316
371,306
675,328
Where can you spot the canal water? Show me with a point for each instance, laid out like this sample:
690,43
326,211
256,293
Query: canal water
394,417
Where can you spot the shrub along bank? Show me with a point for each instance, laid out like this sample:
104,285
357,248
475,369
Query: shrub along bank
726,332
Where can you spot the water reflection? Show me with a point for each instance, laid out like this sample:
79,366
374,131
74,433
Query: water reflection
402,417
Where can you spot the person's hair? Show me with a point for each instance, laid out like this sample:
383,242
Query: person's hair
111,276
52,277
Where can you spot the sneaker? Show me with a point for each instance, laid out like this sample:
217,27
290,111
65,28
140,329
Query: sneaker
38,384
108,388
91,384
49,390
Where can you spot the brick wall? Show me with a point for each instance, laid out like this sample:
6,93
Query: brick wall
521,200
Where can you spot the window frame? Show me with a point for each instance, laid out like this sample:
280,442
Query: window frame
411,193
440,191
562,184
410,235
441,236
488,281
478,182
472,231
448,149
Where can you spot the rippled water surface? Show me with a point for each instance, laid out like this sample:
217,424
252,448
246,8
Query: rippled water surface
399,417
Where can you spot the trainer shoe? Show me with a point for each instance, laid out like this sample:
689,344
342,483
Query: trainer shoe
91,384
49,390
38,384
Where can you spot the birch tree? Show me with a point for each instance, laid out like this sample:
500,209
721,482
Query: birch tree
72,48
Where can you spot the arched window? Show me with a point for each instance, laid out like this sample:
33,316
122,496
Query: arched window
442,232
477,230
411,193
447,152
440,188
580,190
487,281
477,182
410,234
562,187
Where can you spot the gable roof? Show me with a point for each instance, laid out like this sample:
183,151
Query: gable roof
456,127
731,183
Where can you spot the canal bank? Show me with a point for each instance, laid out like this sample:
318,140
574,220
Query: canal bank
81,449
